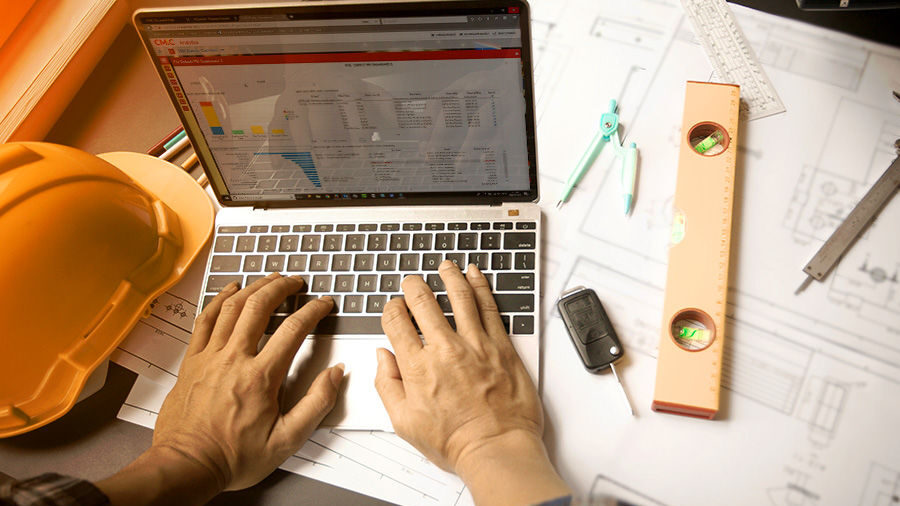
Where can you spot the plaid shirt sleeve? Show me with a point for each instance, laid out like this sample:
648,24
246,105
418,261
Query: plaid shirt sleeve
51,489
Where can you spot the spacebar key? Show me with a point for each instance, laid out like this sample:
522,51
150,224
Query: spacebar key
349,325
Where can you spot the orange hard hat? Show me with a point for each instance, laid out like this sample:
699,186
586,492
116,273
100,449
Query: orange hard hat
86,243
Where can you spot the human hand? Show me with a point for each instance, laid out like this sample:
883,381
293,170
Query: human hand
464,398
223,413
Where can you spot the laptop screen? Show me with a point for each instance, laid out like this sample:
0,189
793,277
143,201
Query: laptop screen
422,102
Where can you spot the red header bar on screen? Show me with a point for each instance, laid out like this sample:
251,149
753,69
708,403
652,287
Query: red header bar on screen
465,54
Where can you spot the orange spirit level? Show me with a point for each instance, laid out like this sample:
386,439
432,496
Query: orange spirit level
693,324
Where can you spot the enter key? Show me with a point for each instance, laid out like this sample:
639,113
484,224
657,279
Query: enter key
514,281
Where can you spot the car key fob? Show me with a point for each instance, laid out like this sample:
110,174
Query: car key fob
590,329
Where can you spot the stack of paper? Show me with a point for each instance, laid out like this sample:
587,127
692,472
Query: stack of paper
47,57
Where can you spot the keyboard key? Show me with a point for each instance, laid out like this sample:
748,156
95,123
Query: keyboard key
526,225
387,262
353,304
266,243
253,263
287,306
355,242
434,226
451,321
368,227
224,244
206,300
490,240
253,279
523,324
480,225
318,263
501,261
281,228
525,261
444,302
364,262
349,325
320,283
515,281
390,283
333,242
458,258
515,302
323,228
375,303
489,276
337,304
259,229
346,227
246,243
225,263
341,262
305,287
421,242
467,241
435,282
399,242
366,283
444,241
505,319
481,260
344,283
409,262
310,243
377,242
296,263
232,230
275,321
430,261
457,226
519,240
288,243
302,228
274,263
390,227
216,282
503,225
412,226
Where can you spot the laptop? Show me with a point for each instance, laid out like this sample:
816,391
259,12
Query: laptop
357,143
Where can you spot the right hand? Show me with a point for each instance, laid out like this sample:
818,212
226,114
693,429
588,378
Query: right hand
463,393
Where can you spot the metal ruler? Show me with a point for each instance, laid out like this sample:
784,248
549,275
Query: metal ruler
732,58
859,218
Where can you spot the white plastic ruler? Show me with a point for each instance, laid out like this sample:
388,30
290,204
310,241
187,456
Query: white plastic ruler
732,58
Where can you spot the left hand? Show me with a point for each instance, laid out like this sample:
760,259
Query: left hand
223,412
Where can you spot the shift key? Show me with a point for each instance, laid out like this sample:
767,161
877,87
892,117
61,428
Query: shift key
514,281
515,302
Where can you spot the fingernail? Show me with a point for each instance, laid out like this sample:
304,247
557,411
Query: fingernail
298,278
327,298
337,375
475,271
274,275
230,287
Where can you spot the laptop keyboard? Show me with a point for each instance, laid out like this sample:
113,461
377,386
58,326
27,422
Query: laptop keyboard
361,266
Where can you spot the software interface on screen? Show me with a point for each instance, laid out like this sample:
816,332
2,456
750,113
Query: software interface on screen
293,108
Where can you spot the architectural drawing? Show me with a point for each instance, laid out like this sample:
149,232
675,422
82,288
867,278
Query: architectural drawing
882,487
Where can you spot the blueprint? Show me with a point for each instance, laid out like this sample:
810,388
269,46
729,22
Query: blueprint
810,381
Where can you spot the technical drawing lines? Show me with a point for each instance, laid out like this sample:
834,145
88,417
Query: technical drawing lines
882,487
795,492
604,489
821,407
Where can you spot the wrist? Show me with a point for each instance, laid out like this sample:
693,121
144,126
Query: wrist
512,468
162,475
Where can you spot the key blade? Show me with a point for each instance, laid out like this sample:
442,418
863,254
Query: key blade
622,389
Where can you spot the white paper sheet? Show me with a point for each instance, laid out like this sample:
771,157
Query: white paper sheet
808,407
810,382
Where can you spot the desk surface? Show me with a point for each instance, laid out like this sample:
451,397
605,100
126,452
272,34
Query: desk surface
122,107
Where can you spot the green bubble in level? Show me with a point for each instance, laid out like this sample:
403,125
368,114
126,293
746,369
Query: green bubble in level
707,143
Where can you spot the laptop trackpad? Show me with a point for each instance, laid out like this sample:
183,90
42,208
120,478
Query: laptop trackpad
358,405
